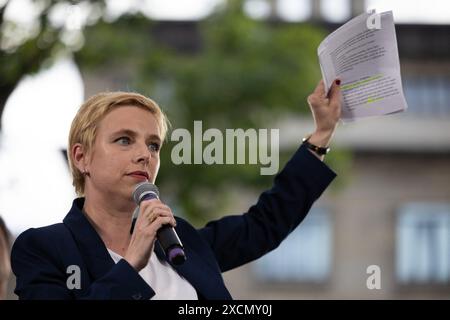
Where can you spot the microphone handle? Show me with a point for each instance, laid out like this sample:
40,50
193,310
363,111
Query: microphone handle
171,244
166,235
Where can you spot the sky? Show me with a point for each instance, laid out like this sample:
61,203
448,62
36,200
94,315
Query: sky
35,184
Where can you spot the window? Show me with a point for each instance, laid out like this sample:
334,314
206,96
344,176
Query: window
287,10
304,256
423,243
428,95
298,10
336,11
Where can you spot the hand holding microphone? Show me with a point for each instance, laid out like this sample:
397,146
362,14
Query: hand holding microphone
152,220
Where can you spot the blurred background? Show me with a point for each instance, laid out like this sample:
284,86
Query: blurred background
242,64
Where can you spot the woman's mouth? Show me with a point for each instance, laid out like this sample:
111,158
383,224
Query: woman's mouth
141,175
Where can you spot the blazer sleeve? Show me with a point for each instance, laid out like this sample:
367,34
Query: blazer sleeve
239,239
40,273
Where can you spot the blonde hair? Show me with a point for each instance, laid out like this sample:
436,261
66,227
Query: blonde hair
85,124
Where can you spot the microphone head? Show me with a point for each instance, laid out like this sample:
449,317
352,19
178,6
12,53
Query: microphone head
143,189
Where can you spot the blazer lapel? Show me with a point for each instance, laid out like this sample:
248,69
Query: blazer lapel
96,256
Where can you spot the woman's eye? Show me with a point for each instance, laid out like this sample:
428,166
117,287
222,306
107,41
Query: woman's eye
154,147
123,141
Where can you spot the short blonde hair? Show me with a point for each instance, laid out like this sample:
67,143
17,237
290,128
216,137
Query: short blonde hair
85,124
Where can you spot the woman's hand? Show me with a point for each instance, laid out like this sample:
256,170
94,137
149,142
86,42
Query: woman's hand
153,214
326,111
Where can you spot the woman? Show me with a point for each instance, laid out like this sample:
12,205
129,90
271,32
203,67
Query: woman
114,144
5,267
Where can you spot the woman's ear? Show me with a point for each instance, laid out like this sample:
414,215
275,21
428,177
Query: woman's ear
79,157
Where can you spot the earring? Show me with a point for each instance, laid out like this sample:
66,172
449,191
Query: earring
86,173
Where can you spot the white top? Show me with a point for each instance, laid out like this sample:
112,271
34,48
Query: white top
163,279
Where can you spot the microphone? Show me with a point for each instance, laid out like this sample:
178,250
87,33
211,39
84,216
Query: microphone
166,235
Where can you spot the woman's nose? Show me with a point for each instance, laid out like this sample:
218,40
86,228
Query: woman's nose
143,154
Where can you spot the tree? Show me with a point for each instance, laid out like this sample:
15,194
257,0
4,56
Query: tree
248,74
25,49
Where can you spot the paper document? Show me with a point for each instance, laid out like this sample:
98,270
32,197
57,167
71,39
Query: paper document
363,54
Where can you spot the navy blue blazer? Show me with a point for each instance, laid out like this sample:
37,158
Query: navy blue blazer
40,257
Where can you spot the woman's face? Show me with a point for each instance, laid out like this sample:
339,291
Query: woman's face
125,152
